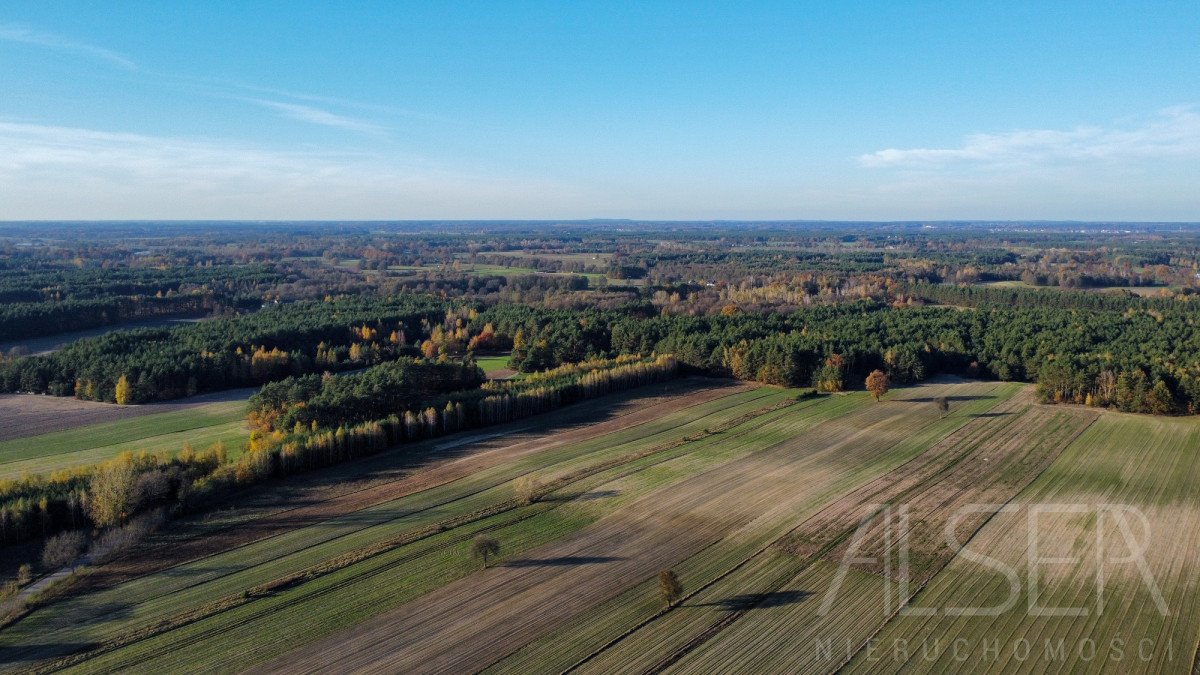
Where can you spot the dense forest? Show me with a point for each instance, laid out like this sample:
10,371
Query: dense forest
162,363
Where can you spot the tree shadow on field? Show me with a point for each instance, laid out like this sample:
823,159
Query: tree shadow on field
581,496
951,399
182,572
992,414
27,653
758,600
564,561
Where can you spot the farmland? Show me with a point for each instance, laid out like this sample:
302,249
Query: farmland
756,498
594,533
199,424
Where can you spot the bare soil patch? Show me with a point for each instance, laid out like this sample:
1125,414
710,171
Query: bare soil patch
23,415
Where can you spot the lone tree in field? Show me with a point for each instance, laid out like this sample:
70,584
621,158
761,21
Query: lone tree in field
484,547
942,403
669,587
878,383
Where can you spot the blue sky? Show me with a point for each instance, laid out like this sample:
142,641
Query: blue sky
805,110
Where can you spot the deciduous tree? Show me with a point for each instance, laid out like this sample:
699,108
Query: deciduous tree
484,547
877,383
670,589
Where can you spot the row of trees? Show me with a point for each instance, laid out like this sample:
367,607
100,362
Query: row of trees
494,402
110,494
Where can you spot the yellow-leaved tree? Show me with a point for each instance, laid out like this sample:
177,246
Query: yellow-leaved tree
123,390
113,491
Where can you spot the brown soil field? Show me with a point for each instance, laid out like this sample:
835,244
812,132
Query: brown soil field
469,624
988,461
23,415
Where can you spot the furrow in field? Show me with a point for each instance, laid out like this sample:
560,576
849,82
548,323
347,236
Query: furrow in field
1146,467
925,504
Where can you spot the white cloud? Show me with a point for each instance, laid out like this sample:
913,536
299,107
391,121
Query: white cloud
1173,133
26,35
63,172
313,115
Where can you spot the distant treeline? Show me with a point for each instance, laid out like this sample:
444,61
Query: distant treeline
21,321
41,302
970,295
1132,353
38,284
151,364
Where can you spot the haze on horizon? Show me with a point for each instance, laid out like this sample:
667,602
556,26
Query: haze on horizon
839,111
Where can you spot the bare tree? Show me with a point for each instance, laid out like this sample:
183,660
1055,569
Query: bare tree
669,587
62,550
942,403
528,489
484,547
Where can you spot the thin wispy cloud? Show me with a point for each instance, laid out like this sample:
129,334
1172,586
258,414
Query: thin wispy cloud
312,115
26,35
65,172
1172,133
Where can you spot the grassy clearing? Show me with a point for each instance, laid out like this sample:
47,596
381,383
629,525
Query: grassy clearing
1151,464
491,364
201,426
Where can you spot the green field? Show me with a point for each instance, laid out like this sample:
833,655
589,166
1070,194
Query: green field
756,500
492,363
497,270
201,426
